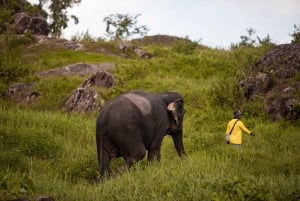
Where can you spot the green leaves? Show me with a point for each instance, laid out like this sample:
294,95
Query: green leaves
122,26
13,186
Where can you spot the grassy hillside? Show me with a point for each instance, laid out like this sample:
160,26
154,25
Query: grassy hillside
47,151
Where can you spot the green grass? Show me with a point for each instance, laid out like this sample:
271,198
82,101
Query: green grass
47,151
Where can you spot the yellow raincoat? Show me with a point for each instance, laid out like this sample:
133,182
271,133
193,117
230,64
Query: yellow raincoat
236,134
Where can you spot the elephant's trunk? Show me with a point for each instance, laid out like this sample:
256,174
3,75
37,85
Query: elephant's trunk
178,142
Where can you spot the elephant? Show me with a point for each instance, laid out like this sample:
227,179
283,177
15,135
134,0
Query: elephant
135,122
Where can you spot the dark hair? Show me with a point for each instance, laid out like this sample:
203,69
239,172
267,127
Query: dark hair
237,114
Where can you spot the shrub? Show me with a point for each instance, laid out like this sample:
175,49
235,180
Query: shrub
10,154
227,93
83,170
239,189
15,186
11,70
39,144
27,142
184,46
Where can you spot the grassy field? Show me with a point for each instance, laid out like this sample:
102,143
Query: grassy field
47,151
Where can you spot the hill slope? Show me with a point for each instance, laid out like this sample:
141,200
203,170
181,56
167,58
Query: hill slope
47,151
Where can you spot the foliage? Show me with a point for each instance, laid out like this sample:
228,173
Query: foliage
83,37
13,187
250,40
28,142
122,26
58,15
11,7
184,46
296,34
56,150
11,67
239,189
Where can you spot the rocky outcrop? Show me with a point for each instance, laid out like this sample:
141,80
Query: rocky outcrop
128,47
100,79
31,22
22,93
275,77
81,69
165,40
84,98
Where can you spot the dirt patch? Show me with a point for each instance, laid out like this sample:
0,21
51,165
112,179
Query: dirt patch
81,69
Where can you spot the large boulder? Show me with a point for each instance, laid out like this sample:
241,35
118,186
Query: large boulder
84,98
99,79
275,77
37,24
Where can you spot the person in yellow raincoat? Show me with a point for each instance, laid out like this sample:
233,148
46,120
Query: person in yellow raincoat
237,127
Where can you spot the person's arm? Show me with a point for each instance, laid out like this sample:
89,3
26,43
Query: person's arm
245,129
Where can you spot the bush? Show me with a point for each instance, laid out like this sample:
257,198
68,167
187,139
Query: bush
28,142
11,70
227,93
83,170
15,186
239,189
184,47
40,145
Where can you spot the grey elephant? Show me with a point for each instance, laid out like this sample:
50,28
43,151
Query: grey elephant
135,122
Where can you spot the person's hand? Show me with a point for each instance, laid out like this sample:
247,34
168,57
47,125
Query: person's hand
252,134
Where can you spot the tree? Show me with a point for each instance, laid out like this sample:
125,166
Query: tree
122,26
248,40
251,40
296,34
58,15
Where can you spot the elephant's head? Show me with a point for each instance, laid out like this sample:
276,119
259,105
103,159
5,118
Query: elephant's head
175,128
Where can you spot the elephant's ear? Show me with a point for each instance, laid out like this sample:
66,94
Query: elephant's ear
172,108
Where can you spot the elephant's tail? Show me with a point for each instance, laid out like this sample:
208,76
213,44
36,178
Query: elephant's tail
100,147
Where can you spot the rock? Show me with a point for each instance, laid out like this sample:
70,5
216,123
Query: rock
22,92
82,100
81,69
141,53
24,22
274,77
44,198
165,40
137,50
100,79
73,45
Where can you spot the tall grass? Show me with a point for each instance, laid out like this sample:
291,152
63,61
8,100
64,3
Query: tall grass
266,168
57,150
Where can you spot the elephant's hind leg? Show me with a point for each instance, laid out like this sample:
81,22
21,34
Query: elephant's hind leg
104,166
136,154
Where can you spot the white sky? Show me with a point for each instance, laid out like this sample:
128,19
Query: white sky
218,23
